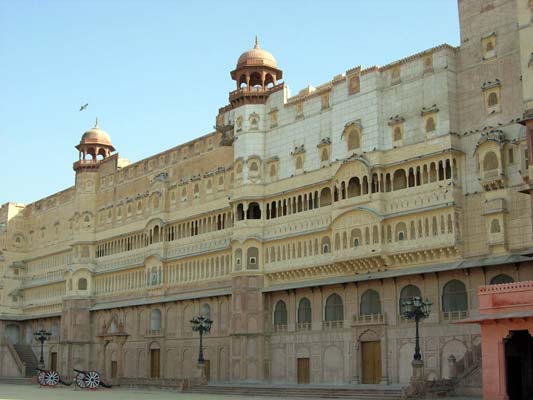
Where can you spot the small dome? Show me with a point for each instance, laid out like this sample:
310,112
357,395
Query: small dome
96,136
256,57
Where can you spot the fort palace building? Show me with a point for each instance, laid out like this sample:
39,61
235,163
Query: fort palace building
298,225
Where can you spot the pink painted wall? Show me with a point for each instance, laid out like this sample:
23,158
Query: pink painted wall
506,298
501,299
493,355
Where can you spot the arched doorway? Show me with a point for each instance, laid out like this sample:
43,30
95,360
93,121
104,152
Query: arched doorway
518,365
13,333
155,360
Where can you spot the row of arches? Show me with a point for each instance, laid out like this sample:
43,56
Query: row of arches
357,186
161,232
395,232
175,273
454,298
44,294
303,248
156,319
197,269
372,234
399,179
333,309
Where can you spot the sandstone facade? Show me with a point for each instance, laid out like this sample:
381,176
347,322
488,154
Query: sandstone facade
298,225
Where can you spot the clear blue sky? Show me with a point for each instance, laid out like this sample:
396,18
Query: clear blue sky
156,72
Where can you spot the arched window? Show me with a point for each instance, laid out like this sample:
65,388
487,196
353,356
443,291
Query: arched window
240,212
82,284
254,211
454,297
430,124
272,171
238,259
495,226
493,99
490,161
155,320
299,163
280,314
304,311
399,180
407,293
326,245
252,255
325,155
370,303
206,310
334,308
353,139
502,278
397,133
401,230
325,197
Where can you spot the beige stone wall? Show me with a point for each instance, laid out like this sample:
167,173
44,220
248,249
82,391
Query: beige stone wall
384,176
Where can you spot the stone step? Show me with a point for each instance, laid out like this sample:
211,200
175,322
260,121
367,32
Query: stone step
14,380
27,356
362,392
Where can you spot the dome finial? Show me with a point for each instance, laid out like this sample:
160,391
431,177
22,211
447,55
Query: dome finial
96,123
256,42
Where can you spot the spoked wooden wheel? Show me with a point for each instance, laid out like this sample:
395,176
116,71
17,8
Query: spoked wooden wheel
41,378
51,378
80,380
92,379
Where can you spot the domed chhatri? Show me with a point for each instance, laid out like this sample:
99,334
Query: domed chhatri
95,135
256,57
256,69
95,144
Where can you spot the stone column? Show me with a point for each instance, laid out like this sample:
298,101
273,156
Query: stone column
529,136
384,359
502,395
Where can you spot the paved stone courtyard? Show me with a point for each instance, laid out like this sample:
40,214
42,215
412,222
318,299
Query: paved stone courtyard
34,392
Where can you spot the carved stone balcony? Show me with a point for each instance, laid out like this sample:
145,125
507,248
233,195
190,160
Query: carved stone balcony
303,326
454,315
154,333
493,180
333,324
369,319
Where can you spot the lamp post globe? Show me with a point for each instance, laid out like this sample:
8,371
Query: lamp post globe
416,309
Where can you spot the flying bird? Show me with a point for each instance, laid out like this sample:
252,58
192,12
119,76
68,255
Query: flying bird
83,107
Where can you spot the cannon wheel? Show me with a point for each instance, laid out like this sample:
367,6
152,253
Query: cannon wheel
92,379
52,378
80,380
41,378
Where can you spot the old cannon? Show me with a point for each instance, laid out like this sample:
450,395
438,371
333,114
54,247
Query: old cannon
50,378
89,379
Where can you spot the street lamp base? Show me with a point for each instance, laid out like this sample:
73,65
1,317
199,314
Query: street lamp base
199,374
418,371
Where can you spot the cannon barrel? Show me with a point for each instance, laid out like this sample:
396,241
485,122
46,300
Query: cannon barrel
79,371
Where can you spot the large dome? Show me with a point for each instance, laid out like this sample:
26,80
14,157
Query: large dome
96,135
256,57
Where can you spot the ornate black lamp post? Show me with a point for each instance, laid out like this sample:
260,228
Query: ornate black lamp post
201,324
417,309
42,336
